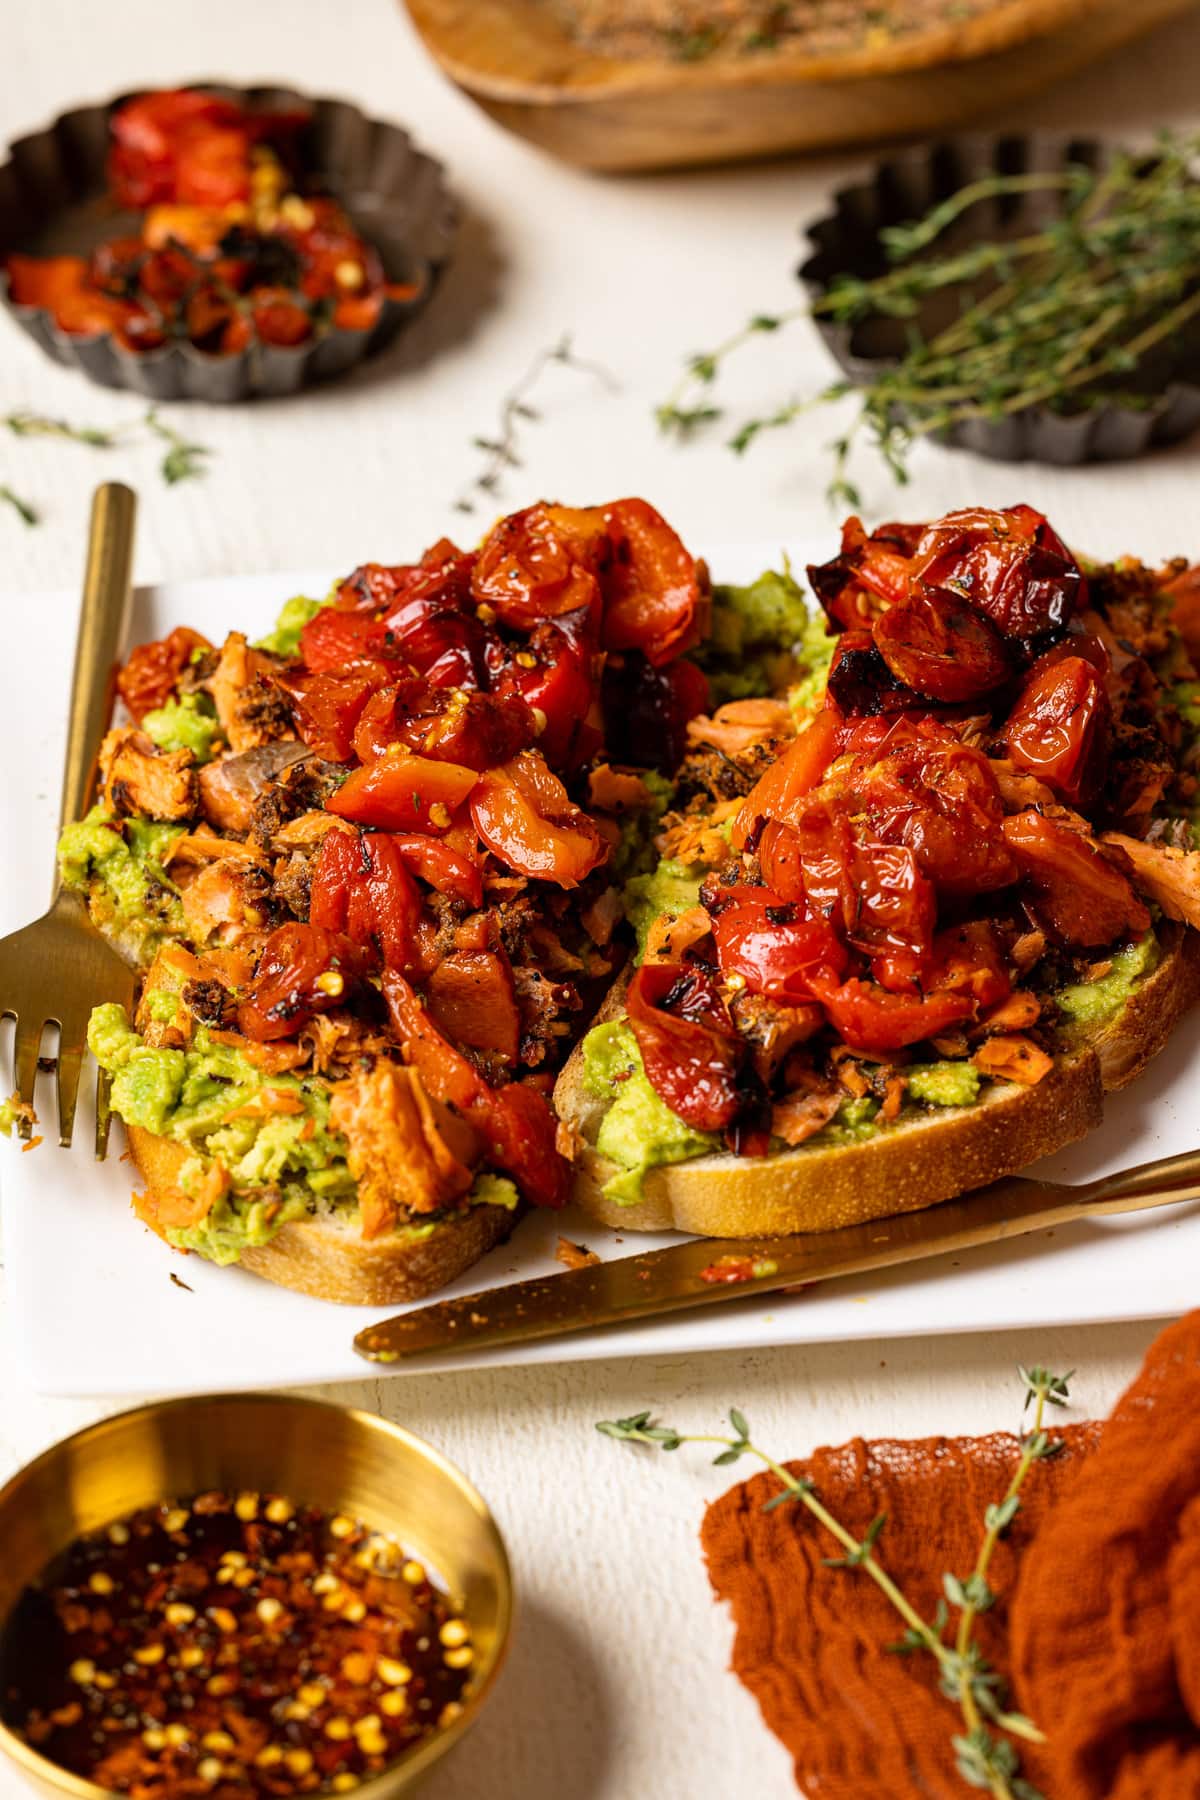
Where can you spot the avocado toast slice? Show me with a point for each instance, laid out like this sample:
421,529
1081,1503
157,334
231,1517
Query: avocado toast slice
369,866
907,930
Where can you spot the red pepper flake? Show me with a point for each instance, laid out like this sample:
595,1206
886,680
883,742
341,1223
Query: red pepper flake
232,1643
737,1268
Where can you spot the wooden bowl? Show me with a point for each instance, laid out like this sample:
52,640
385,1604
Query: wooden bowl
517,60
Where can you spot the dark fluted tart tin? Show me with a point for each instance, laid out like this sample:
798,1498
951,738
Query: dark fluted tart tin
906,186
54,199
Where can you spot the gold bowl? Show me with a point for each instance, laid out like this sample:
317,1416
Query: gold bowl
327,1456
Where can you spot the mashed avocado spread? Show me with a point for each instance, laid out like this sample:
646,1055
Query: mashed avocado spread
760,634
189,723
284,637
282,1165
1095,1002
121,865
639,1132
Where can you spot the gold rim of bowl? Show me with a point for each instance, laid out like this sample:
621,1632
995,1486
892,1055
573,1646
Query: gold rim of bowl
109,1469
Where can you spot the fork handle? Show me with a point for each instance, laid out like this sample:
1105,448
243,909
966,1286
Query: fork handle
103,621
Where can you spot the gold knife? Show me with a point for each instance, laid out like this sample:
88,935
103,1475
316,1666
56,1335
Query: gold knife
707,1271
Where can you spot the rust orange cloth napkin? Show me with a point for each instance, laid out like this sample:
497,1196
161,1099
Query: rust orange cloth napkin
1097,1618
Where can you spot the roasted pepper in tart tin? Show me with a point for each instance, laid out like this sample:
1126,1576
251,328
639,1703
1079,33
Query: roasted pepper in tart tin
290,1598
200,243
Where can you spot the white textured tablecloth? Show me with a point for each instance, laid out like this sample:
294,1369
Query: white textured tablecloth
617,1686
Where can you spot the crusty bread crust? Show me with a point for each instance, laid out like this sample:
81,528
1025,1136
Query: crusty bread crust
327,1260
907,1167
1146,1021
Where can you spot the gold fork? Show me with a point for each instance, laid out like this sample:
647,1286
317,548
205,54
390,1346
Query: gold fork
54,971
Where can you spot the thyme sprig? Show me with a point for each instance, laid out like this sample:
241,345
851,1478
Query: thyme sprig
500,447
1065,316
985,1760
182,460
21,507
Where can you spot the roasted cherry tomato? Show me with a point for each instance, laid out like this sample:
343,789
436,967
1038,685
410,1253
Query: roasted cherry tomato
965,959
796,773
361,886
652,599
860,682
772,947
303,970
515,1123
403,793
868,572
542,563
470,994
1061,728
872,892
551,674
326,708
868,1017
523,814
335,640
915,783
447,724
690,1049
937,645
151,672
1010,565
148,134
646,710
1077,892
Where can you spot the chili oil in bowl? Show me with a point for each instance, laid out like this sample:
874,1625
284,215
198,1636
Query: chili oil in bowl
244,1596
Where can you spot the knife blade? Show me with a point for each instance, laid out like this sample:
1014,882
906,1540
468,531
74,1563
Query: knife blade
707,1271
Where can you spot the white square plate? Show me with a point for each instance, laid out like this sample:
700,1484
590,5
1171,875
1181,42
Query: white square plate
93,1307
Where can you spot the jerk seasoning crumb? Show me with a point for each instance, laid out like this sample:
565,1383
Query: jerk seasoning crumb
232,1646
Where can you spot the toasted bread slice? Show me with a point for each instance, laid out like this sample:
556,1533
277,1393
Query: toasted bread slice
325,1256
911,1165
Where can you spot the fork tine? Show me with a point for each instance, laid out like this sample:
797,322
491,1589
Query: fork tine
70,1063
29,1042
103,1112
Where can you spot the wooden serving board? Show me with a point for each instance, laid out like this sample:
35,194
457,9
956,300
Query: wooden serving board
516,59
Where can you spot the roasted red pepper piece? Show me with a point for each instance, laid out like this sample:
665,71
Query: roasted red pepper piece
690,1049
403,793
303,970
652,599
1077,891
937,645
361,886
334,640
772,946
446,869
1061,728
790,777
151,672
868,1017
524,816
515,1123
